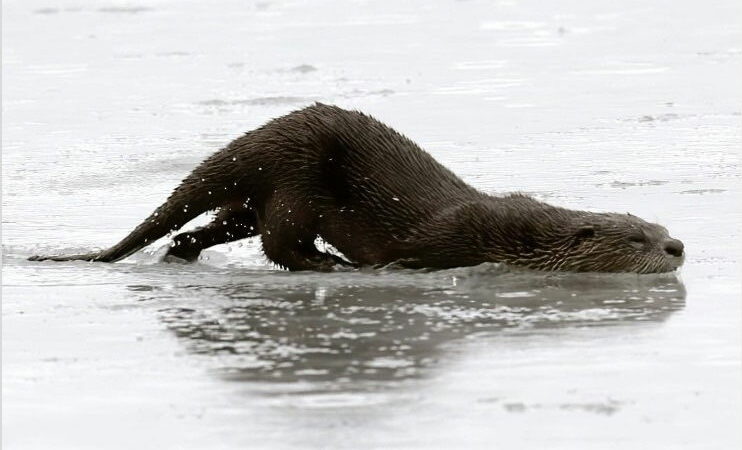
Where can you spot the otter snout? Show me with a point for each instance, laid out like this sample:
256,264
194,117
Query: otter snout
674,247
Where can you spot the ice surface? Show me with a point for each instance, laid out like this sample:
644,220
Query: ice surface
611,106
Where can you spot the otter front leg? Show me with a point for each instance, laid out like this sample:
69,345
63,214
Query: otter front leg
293,252
288,236
228,225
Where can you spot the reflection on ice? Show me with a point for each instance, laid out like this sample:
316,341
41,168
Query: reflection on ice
347,327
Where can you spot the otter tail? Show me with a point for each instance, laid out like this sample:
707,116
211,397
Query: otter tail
194,196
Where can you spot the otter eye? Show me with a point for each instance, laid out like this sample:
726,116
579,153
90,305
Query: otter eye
585,232
637,240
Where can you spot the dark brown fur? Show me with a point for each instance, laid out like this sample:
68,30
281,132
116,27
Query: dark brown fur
378,198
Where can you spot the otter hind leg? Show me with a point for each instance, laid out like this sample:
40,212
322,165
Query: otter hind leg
228,225
187,201
168,217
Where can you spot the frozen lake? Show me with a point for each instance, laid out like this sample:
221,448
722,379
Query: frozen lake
608,106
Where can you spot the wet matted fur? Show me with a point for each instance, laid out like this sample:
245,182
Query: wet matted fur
378,198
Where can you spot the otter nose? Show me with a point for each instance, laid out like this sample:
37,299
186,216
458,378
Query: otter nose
674,247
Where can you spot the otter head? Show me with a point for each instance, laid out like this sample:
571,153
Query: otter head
620,243
544,237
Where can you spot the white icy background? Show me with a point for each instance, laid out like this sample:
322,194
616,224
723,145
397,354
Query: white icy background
616,106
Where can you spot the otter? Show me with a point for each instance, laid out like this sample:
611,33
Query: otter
379,199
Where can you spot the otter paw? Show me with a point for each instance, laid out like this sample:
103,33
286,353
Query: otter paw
171,259
324,262
181,255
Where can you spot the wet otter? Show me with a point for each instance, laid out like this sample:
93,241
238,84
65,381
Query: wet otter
379,198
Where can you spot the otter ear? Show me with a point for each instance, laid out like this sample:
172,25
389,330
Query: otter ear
585,232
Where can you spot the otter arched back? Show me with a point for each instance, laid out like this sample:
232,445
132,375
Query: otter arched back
379,198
